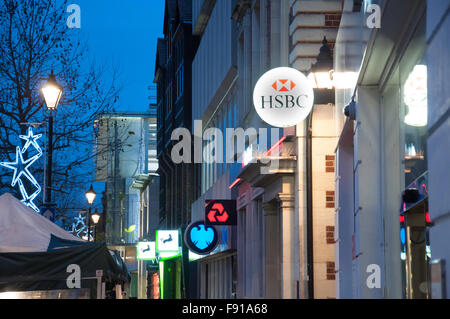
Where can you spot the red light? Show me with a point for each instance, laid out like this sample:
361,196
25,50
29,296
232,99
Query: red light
425,187
275,146
235,183
427,218
402,219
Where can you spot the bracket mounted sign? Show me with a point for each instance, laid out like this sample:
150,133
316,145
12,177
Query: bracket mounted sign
220,213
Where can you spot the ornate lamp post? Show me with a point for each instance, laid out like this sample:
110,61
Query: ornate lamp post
95,218
90,196
52,92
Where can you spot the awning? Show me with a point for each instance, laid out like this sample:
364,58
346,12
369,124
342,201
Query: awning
48,270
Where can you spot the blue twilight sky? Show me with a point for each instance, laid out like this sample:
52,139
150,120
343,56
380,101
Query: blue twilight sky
124,33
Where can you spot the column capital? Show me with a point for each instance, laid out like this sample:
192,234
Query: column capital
286,200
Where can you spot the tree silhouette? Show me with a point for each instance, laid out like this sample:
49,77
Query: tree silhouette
34,40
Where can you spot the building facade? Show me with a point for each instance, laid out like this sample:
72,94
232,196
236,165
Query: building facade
122,163
438,26
390,241
173,77
354,206
146,182
214,100
174,86
265,255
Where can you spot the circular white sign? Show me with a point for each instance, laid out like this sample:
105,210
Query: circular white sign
283,97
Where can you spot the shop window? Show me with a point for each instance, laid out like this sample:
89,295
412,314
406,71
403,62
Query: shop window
414,220
415,119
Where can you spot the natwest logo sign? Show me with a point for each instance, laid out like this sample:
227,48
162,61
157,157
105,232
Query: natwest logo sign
283,97
220,213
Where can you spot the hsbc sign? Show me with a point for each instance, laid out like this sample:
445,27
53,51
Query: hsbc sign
220,213
283,97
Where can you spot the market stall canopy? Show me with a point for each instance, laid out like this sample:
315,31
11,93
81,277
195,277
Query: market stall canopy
23,230
50,270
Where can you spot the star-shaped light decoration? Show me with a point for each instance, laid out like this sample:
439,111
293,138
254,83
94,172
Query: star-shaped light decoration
28,200
31,139
21,168
79,227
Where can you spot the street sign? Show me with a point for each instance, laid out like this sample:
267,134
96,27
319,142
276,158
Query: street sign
167,241
220,213
48,213
201,239
146,250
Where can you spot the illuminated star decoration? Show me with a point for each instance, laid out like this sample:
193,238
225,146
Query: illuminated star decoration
21,169
79,227
31,139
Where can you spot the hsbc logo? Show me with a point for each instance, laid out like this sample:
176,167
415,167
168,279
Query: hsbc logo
283,97
283,85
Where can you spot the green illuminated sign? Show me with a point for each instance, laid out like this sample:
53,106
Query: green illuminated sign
146,251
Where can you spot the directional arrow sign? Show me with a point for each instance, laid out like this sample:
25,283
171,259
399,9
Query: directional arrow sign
220,213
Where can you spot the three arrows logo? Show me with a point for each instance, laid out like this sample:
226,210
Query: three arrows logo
218,214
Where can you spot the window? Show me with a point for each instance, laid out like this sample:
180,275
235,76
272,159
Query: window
179,77
169,42
414,105
160,115
415,119
242,250
169,100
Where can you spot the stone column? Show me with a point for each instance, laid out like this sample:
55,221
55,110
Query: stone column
272,252
289,244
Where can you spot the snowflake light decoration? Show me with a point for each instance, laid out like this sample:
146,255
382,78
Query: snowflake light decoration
21,169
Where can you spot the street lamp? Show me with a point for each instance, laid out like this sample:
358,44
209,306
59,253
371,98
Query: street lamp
324,77
321,76
321,79
95,218
52,92
90,196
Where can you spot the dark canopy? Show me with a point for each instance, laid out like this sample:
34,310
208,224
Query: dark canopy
48,270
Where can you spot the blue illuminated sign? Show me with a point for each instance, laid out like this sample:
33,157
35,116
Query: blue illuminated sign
201,239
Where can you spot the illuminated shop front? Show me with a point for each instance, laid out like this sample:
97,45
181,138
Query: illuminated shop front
408,86
382,173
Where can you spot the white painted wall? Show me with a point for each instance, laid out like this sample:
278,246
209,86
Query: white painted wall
367,166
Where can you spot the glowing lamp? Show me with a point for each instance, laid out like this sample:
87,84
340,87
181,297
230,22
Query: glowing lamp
90,195
52,92
95,217
321,72
415,97
323,76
